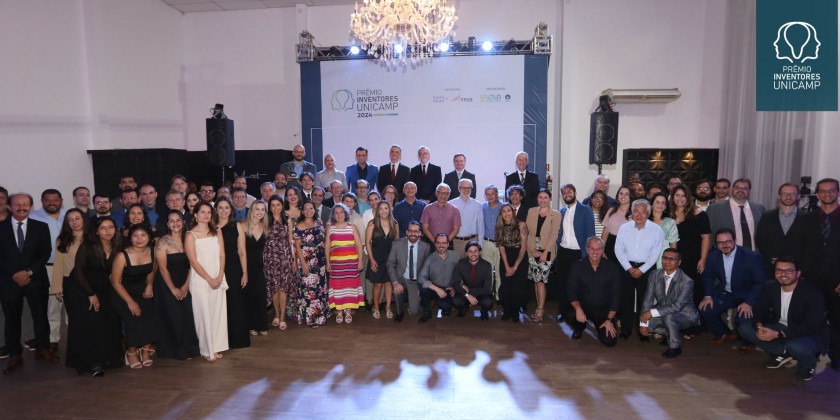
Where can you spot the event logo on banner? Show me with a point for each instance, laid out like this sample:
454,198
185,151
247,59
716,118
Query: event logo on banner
796,55
367,103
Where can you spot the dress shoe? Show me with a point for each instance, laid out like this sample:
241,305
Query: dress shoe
46,355
644,338
14,363
446,313
484,315
368,306
625,336
506,316
398,317
559,318
515,319
3,353
835,364
576,335
672,353
462,312
54,347
725,338
746,348
30,344
426,316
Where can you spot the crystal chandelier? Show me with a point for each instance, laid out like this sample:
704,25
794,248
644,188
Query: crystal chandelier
400,29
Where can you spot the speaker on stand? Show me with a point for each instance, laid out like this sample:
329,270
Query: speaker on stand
603,135
221,147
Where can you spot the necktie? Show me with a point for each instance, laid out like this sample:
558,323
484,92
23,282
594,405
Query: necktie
522,177
411,275
393,172
317,214
667,283
745,230
459,175
472,275
424,170
826,227
20,236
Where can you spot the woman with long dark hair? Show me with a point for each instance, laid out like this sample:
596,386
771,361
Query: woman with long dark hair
659,215
598,202
233,235
174,303
381,233
512,241
294,204
279,261
312,297
135,215
615,217
191,200
695,235
543,224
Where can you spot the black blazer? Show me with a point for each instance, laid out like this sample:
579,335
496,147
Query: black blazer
451,179
771,240
426,185
531,185
483,285
806,313
37,248
748,275
403,174
820,257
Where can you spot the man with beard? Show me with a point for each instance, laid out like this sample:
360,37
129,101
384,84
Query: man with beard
127,182
404,263
361,171
148,198
453,178
738,214
779,232
722,189
426,175
435,279
206,191
703,196
127,199
81,201
473,281
821,250
280,184
52,213
578,225
637,190
102,206
673,182
297,166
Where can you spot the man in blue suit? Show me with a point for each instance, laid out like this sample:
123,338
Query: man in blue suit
361,170
578,225
734,277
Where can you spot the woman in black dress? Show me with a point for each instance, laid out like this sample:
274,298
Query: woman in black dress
695,236
233,235
176,334
94,334
256,228
133,279
134,215
512,240
380,234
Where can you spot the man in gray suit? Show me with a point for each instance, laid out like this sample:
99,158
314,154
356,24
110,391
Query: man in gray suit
322,210
668,306
404,262
296,167
738,214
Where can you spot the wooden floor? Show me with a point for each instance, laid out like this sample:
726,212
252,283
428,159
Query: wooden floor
447,368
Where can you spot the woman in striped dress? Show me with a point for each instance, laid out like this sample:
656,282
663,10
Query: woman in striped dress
343,251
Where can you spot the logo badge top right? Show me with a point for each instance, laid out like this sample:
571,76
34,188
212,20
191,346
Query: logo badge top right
797,52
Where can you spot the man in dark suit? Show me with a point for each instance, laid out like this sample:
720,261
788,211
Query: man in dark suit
571,244
821,248
174,201
789,321
361,170
527,179
668,306
473,282
426,175
779,232
25,248
453,178
394,173
734,277
322,210
404,262
737,214
594,290
297,166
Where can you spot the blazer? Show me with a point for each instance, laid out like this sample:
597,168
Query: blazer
426,185
37,248
398,258
326,213
773,242
583,225
483,285
720,215
821,263
748,275
678,298
531,185
288,168
451,179
548,233
384,179
806,313
352,175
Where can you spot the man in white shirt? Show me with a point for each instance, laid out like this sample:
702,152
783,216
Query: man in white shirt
472,218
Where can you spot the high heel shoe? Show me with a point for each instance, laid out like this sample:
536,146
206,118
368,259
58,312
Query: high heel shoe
537,316
348,317
133,365
339,317
146,357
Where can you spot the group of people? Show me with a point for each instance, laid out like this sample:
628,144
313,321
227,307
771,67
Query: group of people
199,274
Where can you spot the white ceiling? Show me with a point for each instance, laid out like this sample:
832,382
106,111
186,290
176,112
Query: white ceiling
192,6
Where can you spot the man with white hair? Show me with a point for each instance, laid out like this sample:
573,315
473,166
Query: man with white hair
602,183
426,175
527,179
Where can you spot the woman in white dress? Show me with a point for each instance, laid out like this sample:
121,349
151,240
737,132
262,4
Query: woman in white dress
206,252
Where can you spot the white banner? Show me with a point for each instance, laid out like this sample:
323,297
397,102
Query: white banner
469,105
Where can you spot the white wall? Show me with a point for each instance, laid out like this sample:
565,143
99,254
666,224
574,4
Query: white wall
84,74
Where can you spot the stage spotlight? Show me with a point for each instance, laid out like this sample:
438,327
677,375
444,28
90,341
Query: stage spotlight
398,48
444,46
487,46
354,50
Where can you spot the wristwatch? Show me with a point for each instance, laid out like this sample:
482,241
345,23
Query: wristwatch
29,272
612,320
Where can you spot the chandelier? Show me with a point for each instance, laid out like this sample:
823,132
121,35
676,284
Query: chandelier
400,29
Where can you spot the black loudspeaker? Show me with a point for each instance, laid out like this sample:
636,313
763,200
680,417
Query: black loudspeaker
220,145
603,138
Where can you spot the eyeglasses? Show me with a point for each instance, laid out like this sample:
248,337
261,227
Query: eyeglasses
670,259
724,243
788,194
788,271
206,191
703,189
101,202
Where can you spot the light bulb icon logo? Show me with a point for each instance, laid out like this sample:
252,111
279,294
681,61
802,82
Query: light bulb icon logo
787,50
342,100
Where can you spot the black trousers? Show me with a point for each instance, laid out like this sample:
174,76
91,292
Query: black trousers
832,307
597,316
427,296
37,295
562,265
484,301
632,294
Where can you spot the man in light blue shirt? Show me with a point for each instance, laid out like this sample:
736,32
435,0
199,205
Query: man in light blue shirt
52,213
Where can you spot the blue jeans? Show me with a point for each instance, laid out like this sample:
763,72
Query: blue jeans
722,303
804,349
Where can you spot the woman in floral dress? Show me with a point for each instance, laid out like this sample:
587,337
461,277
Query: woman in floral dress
311,295
278,260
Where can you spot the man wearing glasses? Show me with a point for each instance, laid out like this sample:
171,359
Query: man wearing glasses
703,196
738,214
734,278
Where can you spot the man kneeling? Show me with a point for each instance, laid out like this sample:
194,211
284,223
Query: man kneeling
473,282
594,291
668,306
789,321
